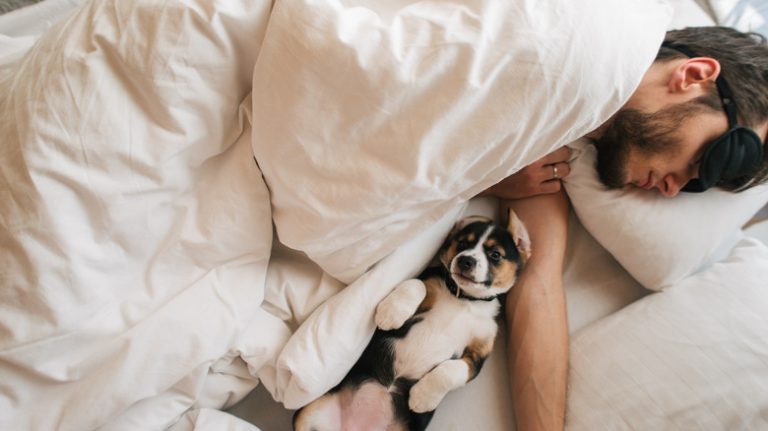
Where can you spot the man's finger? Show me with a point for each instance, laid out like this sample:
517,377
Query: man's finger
560,170
560,155
551,186
555,171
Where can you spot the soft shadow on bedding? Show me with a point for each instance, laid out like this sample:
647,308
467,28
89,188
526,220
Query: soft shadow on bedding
261,410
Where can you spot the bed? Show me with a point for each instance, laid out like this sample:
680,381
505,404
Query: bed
179,253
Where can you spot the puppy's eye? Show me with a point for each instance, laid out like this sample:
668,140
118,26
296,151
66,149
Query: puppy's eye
463,244
495,256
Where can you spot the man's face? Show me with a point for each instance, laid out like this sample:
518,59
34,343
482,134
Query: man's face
660,150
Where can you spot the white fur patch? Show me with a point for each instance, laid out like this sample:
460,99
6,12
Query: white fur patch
427,393
445,331
400,304
480,272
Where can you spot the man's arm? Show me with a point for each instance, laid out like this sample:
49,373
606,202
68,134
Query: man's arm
537,324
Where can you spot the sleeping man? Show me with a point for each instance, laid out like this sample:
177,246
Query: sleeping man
698,119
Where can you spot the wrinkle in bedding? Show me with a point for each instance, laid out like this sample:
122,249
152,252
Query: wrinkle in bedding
141,232
402,141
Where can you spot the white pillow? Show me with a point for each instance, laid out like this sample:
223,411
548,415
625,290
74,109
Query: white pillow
656,239
690,358
744,15
378,117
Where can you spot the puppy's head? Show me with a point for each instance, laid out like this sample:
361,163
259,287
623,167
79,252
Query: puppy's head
484,258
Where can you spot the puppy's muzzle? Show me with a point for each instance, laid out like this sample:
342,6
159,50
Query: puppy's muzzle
466,263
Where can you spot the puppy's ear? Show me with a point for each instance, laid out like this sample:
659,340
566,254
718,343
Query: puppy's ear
519,234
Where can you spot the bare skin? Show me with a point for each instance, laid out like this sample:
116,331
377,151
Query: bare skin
537,326
536,178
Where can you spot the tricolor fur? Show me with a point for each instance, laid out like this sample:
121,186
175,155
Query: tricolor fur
434,333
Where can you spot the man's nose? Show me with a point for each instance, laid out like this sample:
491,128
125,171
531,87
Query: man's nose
670,186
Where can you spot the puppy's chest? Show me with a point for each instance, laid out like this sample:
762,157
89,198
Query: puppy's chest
445,330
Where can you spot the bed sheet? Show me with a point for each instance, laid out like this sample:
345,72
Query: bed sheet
34,19
108,215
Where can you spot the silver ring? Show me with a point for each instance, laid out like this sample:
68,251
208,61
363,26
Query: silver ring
555,175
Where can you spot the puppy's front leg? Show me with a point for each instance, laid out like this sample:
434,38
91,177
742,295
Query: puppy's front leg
427,393
400,304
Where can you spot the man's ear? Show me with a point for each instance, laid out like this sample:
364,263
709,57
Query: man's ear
519,234
693,73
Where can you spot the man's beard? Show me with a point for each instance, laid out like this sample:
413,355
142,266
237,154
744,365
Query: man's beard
645,134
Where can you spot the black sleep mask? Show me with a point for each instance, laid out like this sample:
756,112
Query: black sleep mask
734,154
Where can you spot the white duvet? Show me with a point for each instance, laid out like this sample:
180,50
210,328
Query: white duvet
137,228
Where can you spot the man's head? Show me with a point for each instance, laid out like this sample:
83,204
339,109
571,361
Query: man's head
659,137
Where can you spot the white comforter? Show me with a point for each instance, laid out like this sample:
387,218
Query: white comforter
137,229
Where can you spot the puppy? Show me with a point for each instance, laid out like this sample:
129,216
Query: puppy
434,333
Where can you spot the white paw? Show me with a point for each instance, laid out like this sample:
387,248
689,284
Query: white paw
425,396
400,305
391,314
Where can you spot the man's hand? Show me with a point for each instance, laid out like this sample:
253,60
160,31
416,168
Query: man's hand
540,177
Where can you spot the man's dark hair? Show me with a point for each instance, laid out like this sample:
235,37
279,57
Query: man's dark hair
743,61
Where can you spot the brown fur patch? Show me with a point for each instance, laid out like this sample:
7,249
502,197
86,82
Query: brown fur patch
504,274
475,354
432,286
448,253
494,245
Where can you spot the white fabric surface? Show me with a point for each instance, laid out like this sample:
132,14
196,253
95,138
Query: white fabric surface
134,222
744,15
688,13
694,356
425,104
658,240
33,20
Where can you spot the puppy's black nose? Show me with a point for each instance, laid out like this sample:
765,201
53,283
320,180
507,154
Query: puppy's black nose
466,263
